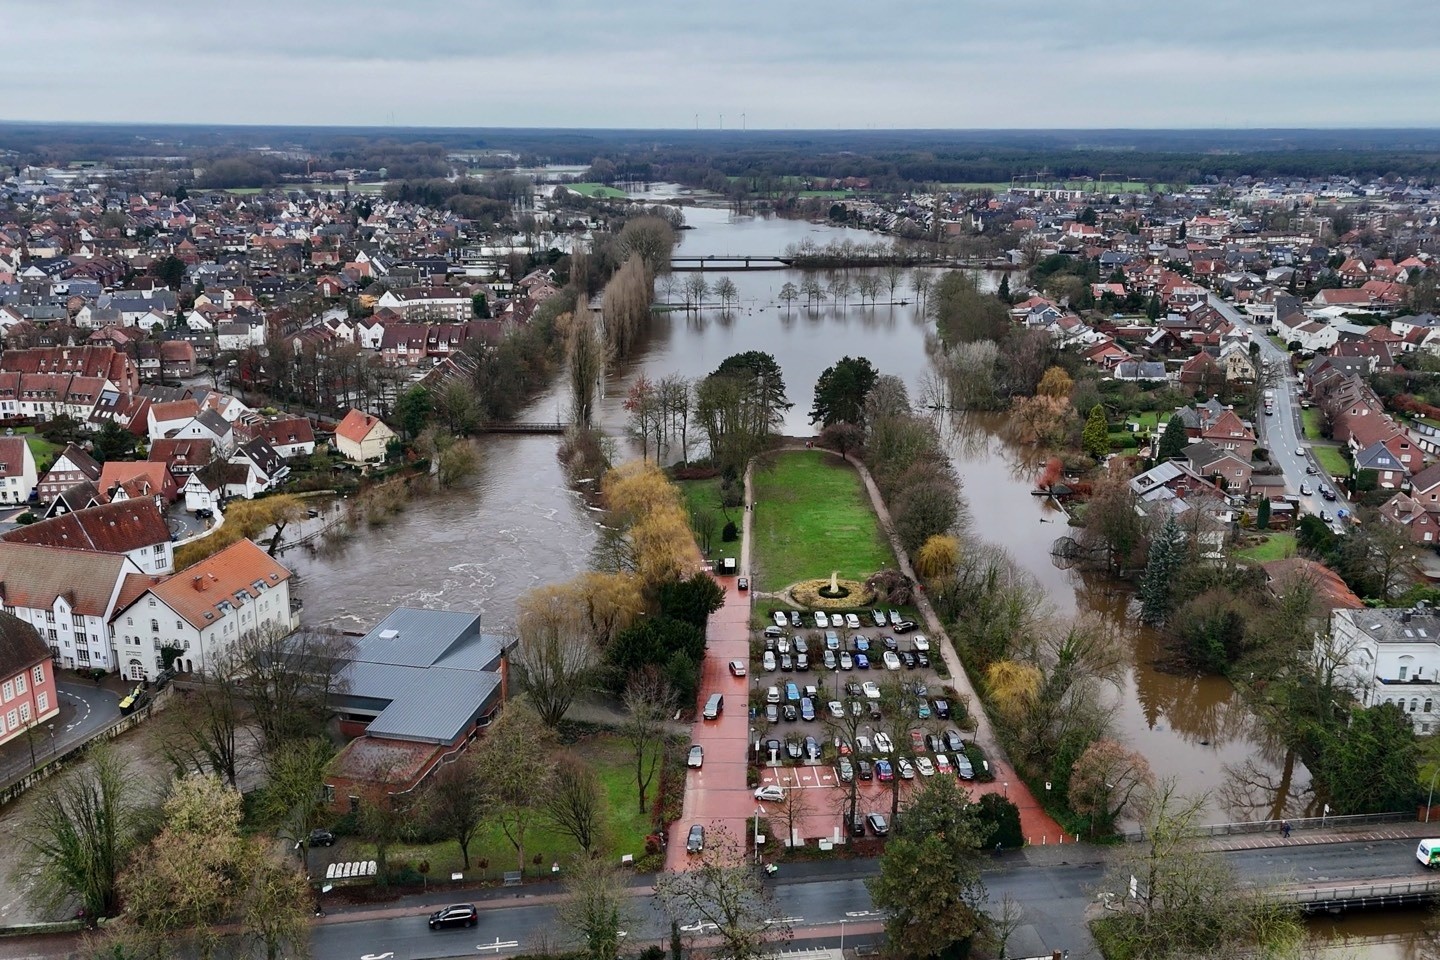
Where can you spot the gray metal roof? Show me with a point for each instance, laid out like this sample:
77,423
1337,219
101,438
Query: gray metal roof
427,673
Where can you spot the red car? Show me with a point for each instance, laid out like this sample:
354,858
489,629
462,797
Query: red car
883,771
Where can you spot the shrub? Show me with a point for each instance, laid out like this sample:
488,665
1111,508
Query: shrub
1003,819
731,533
891,587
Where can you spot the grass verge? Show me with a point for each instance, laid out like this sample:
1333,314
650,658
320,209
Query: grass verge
1311,421
1331,461
596,190
41,449
812,516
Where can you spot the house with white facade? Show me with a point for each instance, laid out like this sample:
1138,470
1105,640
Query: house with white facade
1392,655
209,425
18,476
69,596
362,438
163,419
202,611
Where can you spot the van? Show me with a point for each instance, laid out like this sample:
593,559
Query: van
714,706
1428,853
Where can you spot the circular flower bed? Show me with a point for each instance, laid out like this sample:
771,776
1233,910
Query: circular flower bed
808,593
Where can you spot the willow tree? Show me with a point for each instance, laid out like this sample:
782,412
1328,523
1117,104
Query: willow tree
586,357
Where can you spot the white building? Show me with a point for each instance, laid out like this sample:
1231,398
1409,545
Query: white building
69,596
18,477
1392,655
201,611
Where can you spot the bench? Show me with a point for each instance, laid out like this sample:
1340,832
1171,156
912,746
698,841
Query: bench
512,878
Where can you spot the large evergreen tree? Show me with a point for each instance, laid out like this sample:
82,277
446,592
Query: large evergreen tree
1174,441
1262,514
1166,556
841,391
1096,437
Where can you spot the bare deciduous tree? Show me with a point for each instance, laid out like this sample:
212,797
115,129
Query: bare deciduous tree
724,889
649,700
574,802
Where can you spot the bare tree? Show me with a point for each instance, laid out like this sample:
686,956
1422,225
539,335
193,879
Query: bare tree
725,890
574,802
597,906
455,801
289,679
649,700
555,659
515,766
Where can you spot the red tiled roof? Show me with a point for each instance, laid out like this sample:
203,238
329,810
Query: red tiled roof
197,592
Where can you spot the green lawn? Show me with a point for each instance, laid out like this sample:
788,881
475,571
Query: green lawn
703,496
41,449
596,190
1311,421
1277,546
626,826
826,194
1331,461
812,516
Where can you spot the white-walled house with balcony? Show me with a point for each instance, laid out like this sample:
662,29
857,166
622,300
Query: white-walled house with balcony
1392,655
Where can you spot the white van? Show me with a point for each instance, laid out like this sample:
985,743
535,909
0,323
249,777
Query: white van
714,706
1428,853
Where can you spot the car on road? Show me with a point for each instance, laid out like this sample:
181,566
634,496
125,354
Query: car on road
878,824
1310,469
883,771
878,618
321,838
872,690
925,766
737,668
696,757
852,622
771,792
455,915
845,770
1305,490
780,619
1327,493
821,621
892,662
1300,452
743,583
695,842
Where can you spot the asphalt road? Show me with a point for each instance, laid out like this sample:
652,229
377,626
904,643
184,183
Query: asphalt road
84,709
817,899
1282,434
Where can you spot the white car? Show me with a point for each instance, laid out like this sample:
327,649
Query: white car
894,617
883,744
837,709
892,660
852,621
871,689
920,642
1300,452
782,646
925,766
821,621
767,662
780,619
770,792
697,756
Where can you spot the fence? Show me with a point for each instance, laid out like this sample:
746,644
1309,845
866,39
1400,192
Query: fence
45,771
1303,823
1373,894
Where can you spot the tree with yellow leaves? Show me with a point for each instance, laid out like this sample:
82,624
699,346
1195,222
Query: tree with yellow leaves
246,520
1055,383
938,557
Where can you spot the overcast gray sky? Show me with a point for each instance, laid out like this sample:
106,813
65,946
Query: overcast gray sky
782,63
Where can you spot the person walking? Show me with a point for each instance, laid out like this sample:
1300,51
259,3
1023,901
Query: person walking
1285,829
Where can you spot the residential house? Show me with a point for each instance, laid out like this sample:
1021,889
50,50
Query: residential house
72,466
221,480
68,596
362,438
419,686
82,495
1392,655
1389,472
202,611
1201,374
128,480
135,528
27,679
165,418
18,477
270,468
1221,467
182,456
290,436
1237,362
1226,431
209,425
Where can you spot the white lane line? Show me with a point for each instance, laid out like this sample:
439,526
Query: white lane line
82,717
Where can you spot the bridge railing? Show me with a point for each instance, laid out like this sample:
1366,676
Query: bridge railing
1301,823
1388,890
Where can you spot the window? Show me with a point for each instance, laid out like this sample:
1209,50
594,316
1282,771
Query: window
8,691
42,702
20,685
354,802
82,655
155,628
159,549
329,793
129,621
1415,705
179,625
1429,704
152,601
12,719
49,616
78,620
52,635
1403,670
38,674
25,711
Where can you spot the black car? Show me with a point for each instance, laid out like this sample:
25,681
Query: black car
866,769
791,714
772,748
878,824
802,662
953,741
800,645
923,659
795,621
904,626
695,842
321,838
942,709
457,915
908,659
857,826
890,643
812,748
853,688
934,744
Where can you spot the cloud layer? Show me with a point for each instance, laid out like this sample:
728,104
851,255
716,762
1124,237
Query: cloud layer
781,63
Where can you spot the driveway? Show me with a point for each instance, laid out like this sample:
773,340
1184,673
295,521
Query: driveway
84,710
1283,434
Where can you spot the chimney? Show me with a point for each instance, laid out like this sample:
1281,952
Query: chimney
198,582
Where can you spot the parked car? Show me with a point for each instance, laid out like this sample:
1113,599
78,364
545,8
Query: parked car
863,746
829,660
782,645
857,826
799,644
883,771
861,645
847,662
908,659
812,748
922,710
821,621
743,583
795,620
917,741
872,690
772,713
925,766
845,770
456,915
695,843
933,743
792,693
832,640
942,764
697,756
780,619
321,838
889,642
771,792
792,749
842,747
852,622
905,769
963,769
772,695
904,626
786,663
862,662
923,660
894,617
878,618
768,661
836,708
802,662
866,769
878,824
737,668
919,642
807,709
790,713
953,741
942,709
852,687
891,661
883,744
773,748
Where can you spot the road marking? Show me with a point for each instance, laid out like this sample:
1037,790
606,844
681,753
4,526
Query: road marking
784,920
863,913
700,925
498,945
378,956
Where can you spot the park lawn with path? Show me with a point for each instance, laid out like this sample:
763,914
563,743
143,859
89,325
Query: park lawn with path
626,826
1276,546
703,496
811,517
1310,419
599,190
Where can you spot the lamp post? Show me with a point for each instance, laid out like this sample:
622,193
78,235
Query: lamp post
758,811
842,937
52,740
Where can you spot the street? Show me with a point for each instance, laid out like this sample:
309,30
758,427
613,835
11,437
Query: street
819,898
1282,434
84,709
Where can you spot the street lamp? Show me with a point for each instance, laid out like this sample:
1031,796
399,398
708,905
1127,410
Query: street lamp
842,936
1006,785
758,811
52,740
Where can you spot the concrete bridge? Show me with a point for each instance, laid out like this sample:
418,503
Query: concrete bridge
522,427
